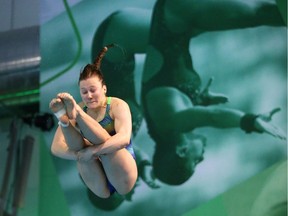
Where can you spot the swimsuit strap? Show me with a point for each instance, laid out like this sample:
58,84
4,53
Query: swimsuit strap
109,100
108,105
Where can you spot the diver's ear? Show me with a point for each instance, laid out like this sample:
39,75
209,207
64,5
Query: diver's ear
181,151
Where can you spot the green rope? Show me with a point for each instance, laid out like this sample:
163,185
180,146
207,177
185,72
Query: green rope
78,37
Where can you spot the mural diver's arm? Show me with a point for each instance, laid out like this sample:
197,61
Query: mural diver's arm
228,118
179,113
145,169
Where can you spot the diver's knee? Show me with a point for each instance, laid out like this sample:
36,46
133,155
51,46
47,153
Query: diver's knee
126,184
103,194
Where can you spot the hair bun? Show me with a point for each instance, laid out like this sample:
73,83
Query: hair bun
100,56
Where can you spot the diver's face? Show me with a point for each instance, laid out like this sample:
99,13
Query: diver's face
92,92
192,147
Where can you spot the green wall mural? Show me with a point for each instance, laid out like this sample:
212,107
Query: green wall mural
206,85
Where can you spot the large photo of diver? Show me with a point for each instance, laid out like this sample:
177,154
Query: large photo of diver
171,99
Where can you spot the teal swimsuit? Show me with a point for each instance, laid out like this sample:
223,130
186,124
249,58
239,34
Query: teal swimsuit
108,124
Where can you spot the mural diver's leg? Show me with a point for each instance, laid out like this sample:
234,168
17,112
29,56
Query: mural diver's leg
128,29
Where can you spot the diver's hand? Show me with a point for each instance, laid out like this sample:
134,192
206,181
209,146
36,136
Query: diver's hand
263,123
86,154
147,175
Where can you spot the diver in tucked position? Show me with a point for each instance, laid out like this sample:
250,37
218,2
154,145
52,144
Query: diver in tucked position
97,134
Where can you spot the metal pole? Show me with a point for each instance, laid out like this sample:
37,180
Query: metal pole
9,162
22,174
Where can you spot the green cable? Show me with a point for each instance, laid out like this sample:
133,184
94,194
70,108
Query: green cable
76,31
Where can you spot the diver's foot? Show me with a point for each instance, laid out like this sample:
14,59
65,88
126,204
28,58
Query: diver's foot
57,107
70,104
